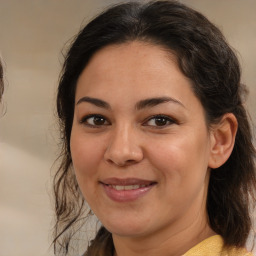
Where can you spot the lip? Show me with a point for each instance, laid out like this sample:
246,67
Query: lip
132,190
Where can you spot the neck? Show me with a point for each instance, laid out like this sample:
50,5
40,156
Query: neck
165,242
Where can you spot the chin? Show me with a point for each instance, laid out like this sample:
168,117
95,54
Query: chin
129,229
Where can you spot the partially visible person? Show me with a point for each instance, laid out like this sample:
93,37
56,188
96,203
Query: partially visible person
1,81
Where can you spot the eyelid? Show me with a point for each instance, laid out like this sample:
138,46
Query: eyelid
168,118
84,119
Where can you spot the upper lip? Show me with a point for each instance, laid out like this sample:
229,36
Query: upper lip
126,182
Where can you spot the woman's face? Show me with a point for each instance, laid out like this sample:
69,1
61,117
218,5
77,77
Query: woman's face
139,142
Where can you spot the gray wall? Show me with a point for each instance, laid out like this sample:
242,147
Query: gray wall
32,34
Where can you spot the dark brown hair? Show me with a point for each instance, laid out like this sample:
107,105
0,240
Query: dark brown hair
209,62
1,81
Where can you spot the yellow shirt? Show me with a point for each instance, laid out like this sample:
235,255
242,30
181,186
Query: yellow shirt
213,246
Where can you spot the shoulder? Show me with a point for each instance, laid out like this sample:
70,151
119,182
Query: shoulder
236,252
214,246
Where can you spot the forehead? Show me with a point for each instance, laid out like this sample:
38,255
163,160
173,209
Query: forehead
132,61
135,70
123,57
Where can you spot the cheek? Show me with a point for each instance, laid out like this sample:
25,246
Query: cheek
181,158
182,167
86,156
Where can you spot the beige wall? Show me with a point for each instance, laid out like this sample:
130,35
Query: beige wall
32,34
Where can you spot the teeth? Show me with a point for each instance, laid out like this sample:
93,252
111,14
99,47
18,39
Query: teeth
128,187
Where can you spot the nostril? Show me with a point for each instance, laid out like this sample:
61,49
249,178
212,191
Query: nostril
131,161
122,163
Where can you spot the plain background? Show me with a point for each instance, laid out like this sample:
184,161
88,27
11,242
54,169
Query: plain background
32,35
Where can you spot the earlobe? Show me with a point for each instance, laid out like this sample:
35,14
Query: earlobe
223,136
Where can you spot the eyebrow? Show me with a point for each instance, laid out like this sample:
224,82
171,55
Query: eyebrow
94,101
156,101
151,102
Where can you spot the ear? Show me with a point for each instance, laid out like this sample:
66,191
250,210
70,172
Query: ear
223,136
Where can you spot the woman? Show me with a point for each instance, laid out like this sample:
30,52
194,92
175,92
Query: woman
156,138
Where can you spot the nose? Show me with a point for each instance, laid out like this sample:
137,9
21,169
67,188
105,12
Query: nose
123,147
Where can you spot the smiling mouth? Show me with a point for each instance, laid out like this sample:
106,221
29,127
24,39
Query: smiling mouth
128,187
125,190
127,184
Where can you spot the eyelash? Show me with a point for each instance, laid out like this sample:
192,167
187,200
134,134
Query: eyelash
85,119
167,121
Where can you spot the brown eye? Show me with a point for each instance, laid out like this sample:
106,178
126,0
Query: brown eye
159,121
98,120
94,120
